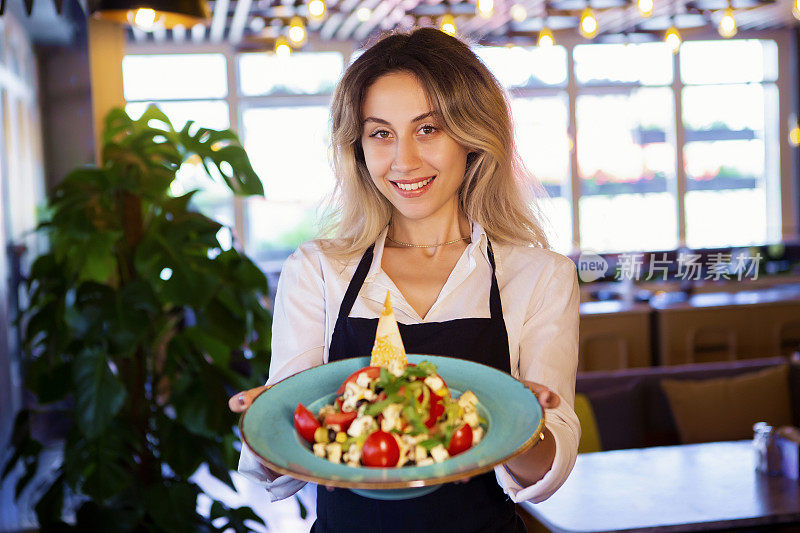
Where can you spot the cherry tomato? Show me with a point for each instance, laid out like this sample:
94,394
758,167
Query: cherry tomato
436,410
461,441
373,372
343,419
380,449
305,423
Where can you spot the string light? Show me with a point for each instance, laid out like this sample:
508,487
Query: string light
546,38
282,48
297,32
727,24
672,38
645,7
363,14
316,9
145,18
485,8
448,25
588,24
519,13
796,9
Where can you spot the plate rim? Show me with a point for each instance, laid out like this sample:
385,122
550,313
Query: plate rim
388,485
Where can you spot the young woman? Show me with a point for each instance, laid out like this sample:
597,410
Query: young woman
433,206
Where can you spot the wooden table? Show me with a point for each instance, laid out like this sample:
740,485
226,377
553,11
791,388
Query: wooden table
695,487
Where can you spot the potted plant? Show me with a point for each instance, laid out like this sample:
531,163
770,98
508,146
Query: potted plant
137,329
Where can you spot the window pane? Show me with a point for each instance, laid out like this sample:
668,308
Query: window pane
526,66
300,73
728,61
727,164
296,175
541,125
626,163
214,199
174,76
647,63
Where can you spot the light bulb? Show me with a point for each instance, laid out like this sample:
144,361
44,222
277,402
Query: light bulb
673,39
485,8
363,14
448,25
282,48
794,135
727,24
316,9
796,9
144,18
645,7
297,33
546,37
519,13
588,24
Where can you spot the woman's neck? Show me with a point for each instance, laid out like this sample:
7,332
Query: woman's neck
436,229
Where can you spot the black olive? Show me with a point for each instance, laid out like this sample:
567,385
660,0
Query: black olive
331,435
361,402
378,389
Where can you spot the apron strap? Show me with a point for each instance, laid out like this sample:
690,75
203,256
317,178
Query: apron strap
354,287
495,305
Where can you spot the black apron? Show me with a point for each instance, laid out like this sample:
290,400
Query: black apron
476,506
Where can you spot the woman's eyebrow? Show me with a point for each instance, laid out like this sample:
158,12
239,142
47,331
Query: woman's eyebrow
415,119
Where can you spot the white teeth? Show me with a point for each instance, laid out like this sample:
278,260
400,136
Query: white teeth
413,186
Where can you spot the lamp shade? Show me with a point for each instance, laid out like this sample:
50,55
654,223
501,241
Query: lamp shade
169,13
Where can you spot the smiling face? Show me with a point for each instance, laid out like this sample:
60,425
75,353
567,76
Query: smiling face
413,162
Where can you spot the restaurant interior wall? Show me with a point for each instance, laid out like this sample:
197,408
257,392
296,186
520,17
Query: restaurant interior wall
22,192
232,106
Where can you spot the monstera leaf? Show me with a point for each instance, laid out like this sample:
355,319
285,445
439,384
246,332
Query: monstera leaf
139,364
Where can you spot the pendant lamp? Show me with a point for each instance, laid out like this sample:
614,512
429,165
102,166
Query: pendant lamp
168,13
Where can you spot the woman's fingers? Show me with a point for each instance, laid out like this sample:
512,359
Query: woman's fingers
239,402
547,398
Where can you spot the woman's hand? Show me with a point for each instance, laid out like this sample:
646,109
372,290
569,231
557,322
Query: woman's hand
547,398
239,402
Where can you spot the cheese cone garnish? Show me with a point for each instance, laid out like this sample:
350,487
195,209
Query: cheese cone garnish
388,350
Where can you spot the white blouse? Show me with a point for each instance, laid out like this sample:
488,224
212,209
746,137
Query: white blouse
539,294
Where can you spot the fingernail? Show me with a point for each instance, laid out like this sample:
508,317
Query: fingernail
241,399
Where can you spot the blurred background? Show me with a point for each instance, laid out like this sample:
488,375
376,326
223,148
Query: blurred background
665,134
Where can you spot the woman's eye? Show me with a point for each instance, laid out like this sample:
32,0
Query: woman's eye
427,129
380,134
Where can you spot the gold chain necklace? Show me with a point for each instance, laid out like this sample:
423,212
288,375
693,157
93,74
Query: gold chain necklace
426,245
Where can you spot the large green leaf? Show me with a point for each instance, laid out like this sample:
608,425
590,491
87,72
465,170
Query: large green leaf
99,394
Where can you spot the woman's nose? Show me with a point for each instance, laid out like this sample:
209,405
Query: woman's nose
406,156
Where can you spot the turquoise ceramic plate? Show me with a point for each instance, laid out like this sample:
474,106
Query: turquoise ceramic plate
514,419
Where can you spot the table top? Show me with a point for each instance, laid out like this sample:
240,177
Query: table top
691,487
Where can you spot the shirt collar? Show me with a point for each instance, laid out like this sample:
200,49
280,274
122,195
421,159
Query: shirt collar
476,248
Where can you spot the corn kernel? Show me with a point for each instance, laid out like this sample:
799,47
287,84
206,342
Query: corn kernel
321,435
341,437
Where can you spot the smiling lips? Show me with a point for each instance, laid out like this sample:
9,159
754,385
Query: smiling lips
411,188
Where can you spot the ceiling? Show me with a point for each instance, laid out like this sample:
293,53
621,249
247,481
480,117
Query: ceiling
256,23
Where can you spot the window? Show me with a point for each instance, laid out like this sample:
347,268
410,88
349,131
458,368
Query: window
186,87
611,122
730,155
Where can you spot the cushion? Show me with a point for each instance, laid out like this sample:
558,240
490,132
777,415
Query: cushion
590,437
619,412
726,408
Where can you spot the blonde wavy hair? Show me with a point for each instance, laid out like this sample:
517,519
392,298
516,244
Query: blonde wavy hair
498,192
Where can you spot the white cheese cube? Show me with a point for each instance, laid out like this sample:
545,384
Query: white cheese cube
362,380
439,454
434,382
420,454
319,449
425,462
361,424
467,400
477,435
471,418
334,451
